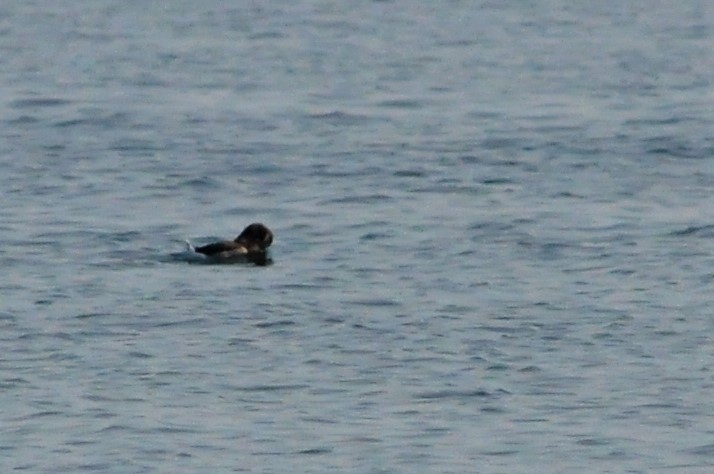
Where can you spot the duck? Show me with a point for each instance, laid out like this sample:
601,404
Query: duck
250,246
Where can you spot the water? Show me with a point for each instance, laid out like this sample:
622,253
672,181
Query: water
494,234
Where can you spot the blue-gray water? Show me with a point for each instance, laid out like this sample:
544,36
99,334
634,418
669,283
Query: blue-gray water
494,235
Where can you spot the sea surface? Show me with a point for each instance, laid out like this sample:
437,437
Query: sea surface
494,229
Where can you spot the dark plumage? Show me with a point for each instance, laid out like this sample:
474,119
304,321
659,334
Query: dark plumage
250,246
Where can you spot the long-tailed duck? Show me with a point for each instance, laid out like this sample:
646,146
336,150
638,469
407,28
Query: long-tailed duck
250,246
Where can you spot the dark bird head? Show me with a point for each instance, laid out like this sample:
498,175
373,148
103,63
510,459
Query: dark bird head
255,237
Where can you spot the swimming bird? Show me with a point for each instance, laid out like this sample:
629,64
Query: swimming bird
250,246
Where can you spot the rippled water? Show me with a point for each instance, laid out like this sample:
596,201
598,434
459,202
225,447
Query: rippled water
494,233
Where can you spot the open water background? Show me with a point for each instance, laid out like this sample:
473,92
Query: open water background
494,236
